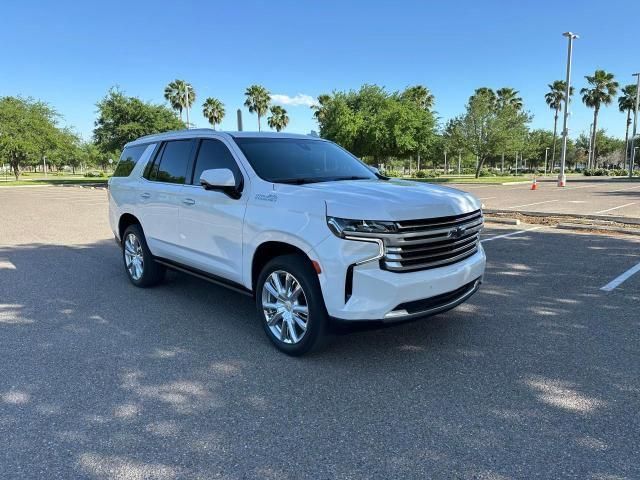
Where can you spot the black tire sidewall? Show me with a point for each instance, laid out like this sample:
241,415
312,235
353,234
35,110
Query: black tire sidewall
301,268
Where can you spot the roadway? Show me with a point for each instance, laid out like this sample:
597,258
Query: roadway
537,376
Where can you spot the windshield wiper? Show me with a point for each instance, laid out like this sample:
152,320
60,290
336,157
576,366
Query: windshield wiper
298,181
354,177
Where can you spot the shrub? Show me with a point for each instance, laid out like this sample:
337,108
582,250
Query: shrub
421,174
603,172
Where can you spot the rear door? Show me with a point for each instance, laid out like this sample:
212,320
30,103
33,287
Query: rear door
211,221
160,196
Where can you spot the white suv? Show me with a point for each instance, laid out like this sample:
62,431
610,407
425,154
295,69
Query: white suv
298,223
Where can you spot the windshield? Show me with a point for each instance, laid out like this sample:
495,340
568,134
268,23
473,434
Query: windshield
293,160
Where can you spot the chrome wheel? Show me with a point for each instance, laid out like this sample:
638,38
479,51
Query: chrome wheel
285,307
133,256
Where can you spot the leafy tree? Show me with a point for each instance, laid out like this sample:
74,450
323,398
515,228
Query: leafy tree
489,126
180,95
278,119
452,139
90,155
122,119
213,110
554,98
258,100
339,122
626,103
420,96
535,148
603,90
373,123
66,151
27,131
411,123
608,144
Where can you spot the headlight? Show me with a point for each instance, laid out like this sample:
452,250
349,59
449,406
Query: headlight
343,226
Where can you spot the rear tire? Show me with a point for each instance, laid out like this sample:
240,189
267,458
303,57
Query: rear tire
141,268
290,305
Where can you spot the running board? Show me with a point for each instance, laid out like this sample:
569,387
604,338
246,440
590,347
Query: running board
204,276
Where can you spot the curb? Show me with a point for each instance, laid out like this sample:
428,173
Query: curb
91,186
28,186
505,221
627,220
597,228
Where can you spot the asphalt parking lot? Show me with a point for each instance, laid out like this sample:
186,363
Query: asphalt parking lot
537,376
583,196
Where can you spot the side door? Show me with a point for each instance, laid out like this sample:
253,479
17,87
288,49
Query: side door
211,221
160,196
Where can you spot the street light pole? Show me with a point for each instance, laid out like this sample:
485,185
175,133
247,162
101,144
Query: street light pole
186,103
562,179
44,165
635,124
546,155
590,142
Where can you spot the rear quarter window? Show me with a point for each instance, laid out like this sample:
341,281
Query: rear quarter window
128,160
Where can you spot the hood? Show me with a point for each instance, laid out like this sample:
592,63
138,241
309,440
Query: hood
392,199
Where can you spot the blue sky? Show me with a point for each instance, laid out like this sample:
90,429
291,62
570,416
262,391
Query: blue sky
69,53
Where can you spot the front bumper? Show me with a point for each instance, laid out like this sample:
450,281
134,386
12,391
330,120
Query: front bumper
376,294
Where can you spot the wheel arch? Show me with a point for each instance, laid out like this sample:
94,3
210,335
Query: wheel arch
269,250
125,221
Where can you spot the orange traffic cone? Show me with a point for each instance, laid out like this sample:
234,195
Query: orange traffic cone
534,185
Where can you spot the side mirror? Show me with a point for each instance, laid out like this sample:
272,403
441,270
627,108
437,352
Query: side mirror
374,170
222,180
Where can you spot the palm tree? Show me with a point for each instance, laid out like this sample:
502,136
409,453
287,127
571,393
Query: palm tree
420,95
258,100
180,95
604,88
508,97
318,108
554,98
626,103
213,110
278,119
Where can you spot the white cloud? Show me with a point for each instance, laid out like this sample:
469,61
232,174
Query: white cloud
296,101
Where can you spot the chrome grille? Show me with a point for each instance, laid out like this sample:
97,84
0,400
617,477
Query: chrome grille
433,242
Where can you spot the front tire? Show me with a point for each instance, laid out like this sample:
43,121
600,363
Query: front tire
139,264
290,304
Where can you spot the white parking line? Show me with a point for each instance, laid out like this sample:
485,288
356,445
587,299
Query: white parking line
616,208
630,188
486,198
530,204
616,282
581,186
509,234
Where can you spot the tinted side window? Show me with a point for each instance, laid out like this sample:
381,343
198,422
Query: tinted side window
128,160
171,167
215,154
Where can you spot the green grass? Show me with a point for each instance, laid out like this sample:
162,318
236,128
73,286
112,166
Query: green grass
53,181
471,179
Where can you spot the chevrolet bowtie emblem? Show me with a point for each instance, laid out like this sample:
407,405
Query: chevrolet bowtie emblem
456,232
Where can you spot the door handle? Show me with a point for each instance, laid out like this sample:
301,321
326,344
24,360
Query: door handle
145,195
189,201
